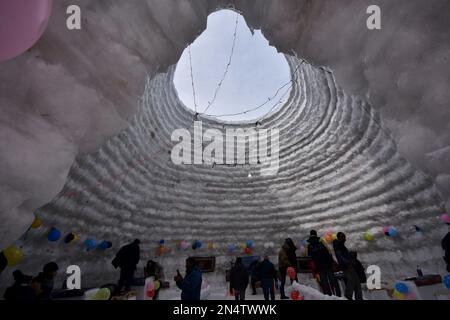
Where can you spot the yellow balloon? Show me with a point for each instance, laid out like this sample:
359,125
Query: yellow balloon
102,294
13,255
36,223
399,296
211,245
368,236
157,284
334,236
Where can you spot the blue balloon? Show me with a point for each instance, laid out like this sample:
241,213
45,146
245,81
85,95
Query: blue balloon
90,244
249,244
161,241
393,232
401,287
447,281
105,245
54,234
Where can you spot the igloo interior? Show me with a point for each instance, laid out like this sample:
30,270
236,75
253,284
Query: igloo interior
87,118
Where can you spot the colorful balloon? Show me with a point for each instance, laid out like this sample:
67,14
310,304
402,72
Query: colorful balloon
399,296
183,245
368,236
102,294
445,218
393,232
71,237
161,241
22,23
13,255
291,273
249,244
90,244
157,284
36,223
402,288
447,281
105,245
54,234
247,250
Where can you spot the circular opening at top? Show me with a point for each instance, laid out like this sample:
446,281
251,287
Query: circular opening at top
231,73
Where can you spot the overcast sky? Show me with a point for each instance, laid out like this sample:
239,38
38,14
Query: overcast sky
255,73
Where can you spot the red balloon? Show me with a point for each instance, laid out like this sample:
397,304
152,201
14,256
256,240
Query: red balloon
22,23
295,295
247,250
291,273
150,293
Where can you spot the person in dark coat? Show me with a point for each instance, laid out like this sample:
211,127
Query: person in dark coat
191,284
238,280
127,259
358,267
346,263
446,247
254,275
268,276
46,280
323,264
292,256
20,290
283,264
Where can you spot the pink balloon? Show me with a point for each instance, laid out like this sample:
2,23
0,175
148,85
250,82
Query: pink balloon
22,23
445,218
385,229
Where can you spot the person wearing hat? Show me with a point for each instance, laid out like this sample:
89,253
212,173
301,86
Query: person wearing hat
20,290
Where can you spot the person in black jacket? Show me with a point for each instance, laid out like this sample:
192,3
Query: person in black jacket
292,256
20,290
323,262
238,280
268,276
127,259
254,275
346,262
446,247
357,265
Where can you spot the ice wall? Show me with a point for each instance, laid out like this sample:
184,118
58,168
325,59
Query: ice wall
339,169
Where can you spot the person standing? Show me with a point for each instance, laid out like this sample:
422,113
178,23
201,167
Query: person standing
254,275
191,284
127,259
238,280
345,260
268,277
283,264
323,264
